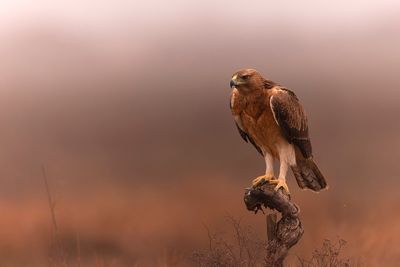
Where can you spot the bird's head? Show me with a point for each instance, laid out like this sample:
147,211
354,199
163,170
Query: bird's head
247,80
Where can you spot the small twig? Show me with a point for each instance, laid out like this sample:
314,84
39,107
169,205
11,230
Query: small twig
52,204
239,239
58,248
210,238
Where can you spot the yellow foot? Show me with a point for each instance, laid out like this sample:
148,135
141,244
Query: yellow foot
280,183
261,180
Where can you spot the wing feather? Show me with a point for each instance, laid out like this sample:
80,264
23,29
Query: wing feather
291,117
246,137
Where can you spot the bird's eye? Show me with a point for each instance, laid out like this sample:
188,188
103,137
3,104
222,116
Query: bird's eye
245,77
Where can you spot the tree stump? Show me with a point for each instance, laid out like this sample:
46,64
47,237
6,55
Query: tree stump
282,235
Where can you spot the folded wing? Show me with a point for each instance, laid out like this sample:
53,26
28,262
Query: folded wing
291,117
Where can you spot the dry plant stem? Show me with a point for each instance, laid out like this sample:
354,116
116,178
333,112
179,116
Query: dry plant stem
287,232
50,201
56,245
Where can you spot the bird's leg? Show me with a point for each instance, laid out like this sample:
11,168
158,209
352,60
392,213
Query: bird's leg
269,172
281,181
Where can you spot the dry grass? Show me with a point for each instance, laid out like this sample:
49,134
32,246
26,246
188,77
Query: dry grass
247,250
116,229
327,256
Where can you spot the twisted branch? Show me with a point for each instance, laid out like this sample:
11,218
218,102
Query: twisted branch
287,232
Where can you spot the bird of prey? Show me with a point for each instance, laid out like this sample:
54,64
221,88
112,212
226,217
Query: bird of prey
272,119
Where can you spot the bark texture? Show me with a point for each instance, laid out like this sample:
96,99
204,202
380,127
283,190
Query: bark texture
287,231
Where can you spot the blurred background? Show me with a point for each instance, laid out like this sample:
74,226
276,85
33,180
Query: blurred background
125,104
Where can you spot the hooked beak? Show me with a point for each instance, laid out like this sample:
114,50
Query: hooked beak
233,82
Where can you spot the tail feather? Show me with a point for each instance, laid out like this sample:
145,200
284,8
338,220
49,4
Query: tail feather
308,174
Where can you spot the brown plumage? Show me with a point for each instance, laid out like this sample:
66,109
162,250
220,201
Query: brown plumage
271,118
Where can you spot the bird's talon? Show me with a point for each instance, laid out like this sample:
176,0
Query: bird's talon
280,183
261,180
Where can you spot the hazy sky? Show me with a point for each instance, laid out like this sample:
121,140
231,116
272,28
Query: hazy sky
104,14
135,35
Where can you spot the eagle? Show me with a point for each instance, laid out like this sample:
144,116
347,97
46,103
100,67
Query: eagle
271,118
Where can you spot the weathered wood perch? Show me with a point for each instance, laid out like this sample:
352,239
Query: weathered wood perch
282,235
